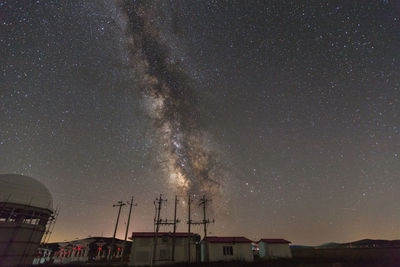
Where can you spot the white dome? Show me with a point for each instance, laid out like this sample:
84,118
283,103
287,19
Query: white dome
24,190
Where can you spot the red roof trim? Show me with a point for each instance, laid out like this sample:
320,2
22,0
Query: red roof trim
274,241
227,239
160,234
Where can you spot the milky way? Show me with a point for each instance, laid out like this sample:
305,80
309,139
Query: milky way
172,103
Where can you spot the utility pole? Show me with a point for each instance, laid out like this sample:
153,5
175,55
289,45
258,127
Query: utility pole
203,202
173,237
204,222
159,201
189,224
127,225
129,217
157,222
119,204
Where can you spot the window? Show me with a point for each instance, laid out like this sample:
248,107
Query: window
228,251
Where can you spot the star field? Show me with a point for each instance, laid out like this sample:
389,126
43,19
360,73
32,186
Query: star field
300,98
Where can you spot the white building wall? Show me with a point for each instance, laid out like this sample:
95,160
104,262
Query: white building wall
271,251
142,247
215,251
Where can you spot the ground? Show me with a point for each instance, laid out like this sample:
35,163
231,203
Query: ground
309,257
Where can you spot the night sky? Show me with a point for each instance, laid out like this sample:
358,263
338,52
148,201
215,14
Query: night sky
295,104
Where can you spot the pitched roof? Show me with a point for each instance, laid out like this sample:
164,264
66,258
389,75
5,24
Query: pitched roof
160,234
274,241
227,239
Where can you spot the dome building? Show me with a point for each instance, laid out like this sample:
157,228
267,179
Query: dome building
26,207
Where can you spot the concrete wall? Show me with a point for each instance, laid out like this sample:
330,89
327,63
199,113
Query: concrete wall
215,252
272,251
142,247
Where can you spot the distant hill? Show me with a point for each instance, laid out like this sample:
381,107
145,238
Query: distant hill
364,243
330,245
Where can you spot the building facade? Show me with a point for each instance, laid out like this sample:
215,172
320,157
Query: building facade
143,245
215,248
274,248
44,255
88,250
26,208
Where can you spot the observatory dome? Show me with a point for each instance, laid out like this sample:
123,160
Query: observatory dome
24,190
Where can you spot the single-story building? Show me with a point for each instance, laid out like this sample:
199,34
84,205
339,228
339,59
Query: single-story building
143,245
88,250
274,248
43,255
214,248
